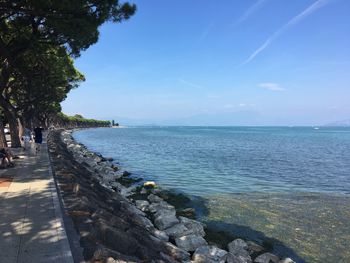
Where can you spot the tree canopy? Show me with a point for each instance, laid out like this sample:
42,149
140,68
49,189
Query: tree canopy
38,41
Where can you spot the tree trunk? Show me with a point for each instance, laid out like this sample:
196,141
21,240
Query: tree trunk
21,127
3,142
12,119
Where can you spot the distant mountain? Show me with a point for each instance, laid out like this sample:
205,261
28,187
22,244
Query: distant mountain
343,123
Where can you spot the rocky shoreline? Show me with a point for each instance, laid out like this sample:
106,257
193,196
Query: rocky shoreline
119,220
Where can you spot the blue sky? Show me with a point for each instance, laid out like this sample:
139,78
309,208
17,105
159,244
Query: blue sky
201,62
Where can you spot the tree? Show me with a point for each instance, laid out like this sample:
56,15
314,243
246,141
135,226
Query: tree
33,27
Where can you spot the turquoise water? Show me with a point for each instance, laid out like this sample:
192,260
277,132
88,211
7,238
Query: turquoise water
286,184
205,160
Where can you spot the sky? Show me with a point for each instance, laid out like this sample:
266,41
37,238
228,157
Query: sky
206,62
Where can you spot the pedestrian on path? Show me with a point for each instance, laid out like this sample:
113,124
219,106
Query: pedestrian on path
38,138
27,138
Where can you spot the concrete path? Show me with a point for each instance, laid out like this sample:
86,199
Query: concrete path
31,225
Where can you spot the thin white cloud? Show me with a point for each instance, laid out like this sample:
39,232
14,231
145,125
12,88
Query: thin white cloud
271,86
251,10
191,84
295,20
205,32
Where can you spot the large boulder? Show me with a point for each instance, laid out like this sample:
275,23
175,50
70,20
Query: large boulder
238,247
160,234
165,221
155,207
190,242
193,226
267,258
165,212
209,254
177,230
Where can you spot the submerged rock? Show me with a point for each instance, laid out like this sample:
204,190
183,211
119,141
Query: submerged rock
190,242
254,247
209,254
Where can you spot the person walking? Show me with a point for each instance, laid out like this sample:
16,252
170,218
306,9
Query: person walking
38,138
27,137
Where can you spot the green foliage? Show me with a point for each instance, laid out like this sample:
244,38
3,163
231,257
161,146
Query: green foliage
77,121
38,41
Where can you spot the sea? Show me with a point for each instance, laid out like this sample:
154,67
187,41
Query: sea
287,188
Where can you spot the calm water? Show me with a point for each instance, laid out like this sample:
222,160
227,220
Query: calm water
290,186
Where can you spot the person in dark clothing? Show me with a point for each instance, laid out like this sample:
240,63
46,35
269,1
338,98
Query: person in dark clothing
38,138
6,158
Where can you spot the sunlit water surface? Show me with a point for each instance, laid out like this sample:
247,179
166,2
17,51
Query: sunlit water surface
287,186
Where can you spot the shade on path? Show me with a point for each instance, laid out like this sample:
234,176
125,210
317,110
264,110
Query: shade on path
31,225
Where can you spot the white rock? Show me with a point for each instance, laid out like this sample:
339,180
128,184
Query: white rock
190,242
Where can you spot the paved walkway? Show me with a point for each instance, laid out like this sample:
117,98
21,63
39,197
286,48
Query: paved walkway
31,226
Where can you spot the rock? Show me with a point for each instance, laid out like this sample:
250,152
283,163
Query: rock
165,221
193,226
154,199
154,207
209,254
149,184
230,258
177,230
143,191
267,258
254,247
187,212
156,191
165,212
142,205
238,247
126,173
109,159
190,242
162,235
286,260
110,260
177,253
237,244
